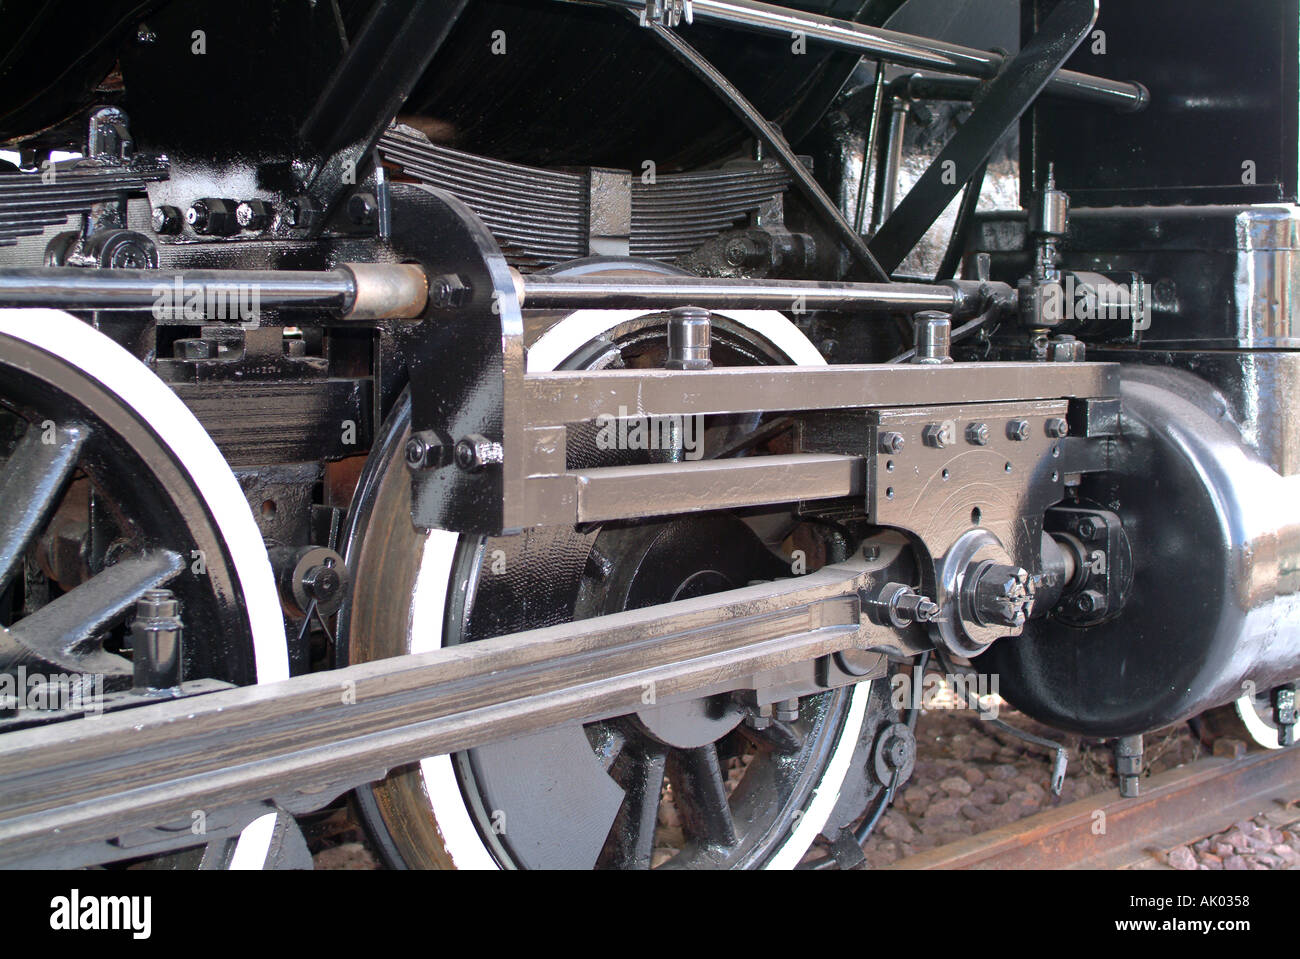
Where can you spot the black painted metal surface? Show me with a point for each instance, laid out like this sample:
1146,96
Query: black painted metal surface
1223,82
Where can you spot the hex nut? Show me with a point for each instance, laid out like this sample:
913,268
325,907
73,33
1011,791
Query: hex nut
940,435
254,215
891,443
167,220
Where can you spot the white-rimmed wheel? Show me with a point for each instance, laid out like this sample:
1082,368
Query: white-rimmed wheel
688,786
1250,718
110,487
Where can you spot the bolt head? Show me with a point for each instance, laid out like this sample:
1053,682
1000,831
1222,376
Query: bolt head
362,208
418,453
157,604
322,583
977,434
1003,595
466,455
891,443
166,219
1057,427
129,256
1018,430
1090,603
253,215
940,435
448,292
1086,528
301,212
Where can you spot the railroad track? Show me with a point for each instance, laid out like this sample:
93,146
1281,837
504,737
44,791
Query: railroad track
1177,807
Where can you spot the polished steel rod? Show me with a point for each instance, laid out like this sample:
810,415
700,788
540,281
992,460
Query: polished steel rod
355,291
76,288
661,293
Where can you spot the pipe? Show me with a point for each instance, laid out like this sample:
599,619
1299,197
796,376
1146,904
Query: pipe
904,49
869,148
887,189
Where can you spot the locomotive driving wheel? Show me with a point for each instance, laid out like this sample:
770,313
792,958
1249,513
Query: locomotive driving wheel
1252,718
110,488
690,785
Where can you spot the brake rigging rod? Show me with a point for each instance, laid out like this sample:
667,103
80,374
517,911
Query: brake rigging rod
903,49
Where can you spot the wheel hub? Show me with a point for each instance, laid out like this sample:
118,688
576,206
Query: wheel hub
633,567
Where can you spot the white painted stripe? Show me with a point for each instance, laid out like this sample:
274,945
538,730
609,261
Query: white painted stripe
254,844
827,792
1260,731
428,611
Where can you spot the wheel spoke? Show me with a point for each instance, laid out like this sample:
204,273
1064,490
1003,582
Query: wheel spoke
639,769
700,792
54,632
31,484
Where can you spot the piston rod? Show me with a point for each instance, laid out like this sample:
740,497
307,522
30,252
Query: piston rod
661,293
904,49
375,291
360,291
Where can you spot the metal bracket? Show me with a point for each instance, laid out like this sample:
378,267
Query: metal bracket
474,401
667,13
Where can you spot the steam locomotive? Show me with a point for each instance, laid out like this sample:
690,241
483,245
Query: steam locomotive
525,415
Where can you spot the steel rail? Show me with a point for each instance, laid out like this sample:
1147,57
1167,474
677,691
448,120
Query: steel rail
891,46
1175,807
129,782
